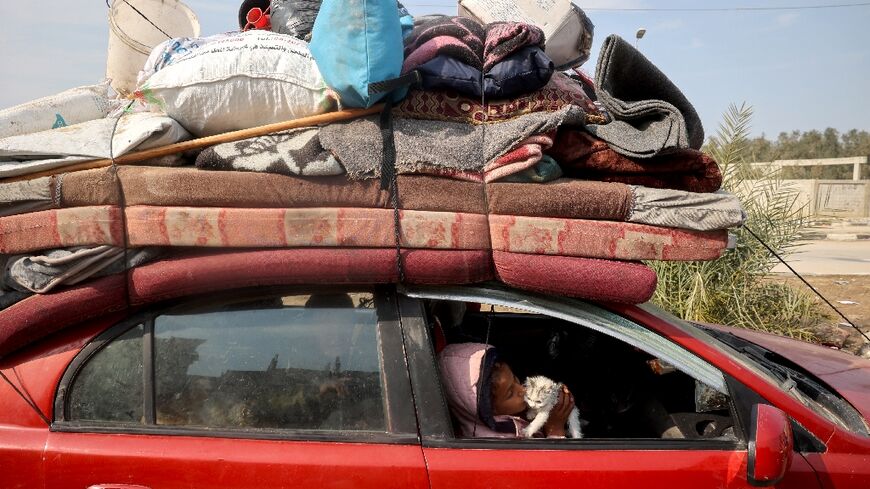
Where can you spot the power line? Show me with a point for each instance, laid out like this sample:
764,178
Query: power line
689,9
732,9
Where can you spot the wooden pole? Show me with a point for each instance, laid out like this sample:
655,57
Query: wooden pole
226,137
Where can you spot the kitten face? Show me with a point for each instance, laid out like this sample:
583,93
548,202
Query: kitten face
541,392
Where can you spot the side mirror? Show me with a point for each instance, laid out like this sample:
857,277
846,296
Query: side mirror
770,445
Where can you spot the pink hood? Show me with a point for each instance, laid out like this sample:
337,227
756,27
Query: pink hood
460,366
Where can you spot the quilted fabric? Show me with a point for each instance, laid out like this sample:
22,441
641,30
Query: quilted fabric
603,239
353,227
339,227
76,226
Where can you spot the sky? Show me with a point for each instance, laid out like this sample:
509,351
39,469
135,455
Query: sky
799,69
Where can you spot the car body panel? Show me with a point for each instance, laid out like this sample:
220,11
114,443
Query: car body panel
605,469
67,458
78,460
740,369
848,374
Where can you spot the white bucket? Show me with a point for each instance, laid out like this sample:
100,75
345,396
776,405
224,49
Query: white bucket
132,37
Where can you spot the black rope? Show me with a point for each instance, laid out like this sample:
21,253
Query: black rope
390,180
482,365
848,321
27,399
122,203
143,16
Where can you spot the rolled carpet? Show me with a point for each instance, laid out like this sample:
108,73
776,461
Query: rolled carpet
41,315
204,272
585,278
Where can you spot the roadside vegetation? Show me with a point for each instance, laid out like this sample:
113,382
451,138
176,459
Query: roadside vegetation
735,289
797,145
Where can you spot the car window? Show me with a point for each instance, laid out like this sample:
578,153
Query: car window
110,387
291,366
300,362
628,383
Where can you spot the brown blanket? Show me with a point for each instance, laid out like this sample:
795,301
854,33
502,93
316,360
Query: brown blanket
581,155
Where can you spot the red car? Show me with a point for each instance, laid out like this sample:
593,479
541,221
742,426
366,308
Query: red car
296,386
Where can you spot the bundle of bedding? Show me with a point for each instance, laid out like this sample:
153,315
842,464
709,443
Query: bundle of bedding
504,170
567,225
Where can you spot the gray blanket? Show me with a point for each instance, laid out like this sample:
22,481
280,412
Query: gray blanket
685,210
296,152
26,196
424,146
650,114
42,273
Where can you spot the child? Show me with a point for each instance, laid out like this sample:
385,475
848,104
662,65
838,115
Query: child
485,396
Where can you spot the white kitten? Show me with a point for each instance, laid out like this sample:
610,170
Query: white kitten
542,394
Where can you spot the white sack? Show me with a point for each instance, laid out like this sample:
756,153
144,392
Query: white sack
567,30
30,153
69,107
235,81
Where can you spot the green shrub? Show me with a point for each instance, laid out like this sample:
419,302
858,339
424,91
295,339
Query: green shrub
736,289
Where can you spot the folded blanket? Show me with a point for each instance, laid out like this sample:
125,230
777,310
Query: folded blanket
546,170
435,145
26,196
296,152
42,273
30,153
458,37
506,38
651,115
584,156
524,156
523,71
686,210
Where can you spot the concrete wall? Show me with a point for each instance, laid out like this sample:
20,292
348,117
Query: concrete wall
833,198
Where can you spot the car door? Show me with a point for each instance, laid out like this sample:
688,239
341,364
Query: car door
263,389
590,462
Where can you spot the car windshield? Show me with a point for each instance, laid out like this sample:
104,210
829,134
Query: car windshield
796,382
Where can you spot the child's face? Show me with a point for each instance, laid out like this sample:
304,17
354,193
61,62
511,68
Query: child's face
507,391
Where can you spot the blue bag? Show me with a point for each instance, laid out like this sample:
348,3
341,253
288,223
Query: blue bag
358,43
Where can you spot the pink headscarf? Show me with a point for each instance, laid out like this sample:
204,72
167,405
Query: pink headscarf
461,366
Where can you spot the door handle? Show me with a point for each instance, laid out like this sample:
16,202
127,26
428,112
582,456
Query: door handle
117,486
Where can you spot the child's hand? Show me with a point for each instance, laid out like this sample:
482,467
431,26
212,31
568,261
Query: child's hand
555,425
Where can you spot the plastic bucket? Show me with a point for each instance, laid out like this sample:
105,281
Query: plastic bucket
132,36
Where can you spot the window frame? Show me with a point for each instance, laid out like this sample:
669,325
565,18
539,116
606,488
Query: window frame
399,416
436,429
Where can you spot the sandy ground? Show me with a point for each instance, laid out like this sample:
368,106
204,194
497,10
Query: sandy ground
851,295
